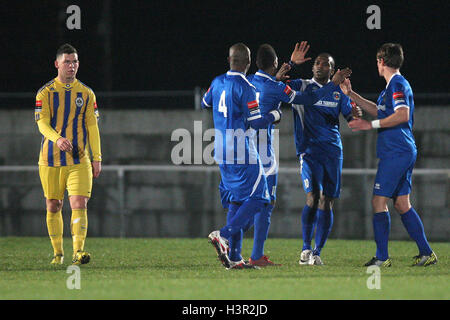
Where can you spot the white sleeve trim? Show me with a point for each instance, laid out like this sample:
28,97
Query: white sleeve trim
293,96
254,117
401,106
206,103
275,114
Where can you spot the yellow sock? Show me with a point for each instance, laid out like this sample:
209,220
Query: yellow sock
79,224
55,229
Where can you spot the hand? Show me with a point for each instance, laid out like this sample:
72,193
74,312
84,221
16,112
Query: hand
359,124
64,144
346,87
96,168
281,74
300,50
356,110
341,75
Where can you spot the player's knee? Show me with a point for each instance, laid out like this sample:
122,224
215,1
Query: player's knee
312,200
402,206
325,203
379,204
78,202
54,205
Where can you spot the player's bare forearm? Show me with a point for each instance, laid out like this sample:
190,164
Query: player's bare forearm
400,116
367,105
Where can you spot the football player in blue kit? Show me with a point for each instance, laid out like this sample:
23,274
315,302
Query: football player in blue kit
397,152
319,148
243,182
270,94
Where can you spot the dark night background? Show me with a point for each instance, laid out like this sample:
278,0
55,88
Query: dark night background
178,45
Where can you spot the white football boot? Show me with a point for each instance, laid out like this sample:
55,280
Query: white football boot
305,257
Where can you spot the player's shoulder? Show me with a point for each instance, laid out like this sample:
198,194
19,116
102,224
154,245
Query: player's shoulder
85,87
239,78
399,82
299,84
46,87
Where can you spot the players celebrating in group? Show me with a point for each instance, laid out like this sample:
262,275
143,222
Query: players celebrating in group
246,109
238,106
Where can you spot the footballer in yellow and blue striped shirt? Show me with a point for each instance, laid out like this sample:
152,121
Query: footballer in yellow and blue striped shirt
66,114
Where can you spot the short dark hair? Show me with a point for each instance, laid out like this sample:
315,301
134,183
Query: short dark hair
328,56
392,55
265,57
65,48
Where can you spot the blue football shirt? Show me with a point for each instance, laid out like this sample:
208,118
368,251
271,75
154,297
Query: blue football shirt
235,108
398,139
316,126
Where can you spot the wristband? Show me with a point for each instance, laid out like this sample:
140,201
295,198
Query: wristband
276,115
291,63
376,124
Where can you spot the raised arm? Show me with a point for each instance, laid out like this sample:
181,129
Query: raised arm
310,98
367,105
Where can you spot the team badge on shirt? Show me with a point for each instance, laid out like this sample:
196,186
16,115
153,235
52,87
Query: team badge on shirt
336,95
79,102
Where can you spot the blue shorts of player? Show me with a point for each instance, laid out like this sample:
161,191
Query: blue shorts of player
394,175
321,173
241,182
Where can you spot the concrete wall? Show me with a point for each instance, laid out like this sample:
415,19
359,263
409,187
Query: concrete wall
186,204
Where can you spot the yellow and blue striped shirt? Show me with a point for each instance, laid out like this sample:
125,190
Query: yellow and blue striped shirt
70,109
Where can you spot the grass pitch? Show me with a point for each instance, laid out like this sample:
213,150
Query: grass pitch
188,269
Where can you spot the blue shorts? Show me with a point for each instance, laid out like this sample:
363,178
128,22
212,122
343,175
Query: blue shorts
242,182
394,176
321,174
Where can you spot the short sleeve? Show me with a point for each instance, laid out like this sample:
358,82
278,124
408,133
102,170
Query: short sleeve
399,96
207,99
250,103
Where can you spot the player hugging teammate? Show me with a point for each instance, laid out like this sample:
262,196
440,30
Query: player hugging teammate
248,190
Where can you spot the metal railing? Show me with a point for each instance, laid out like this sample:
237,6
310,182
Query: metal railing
197,94
121,171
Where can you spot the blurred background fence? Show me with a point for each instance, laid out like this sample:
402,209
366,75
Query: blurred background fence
141,193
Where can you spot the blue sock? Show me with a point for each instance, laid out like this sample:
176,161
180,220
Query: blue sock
414,226
324,224
246,211
261,231
235,242
381,227
309,219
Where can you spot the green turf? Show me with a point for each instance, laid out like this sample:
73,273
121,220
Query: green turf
189,269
